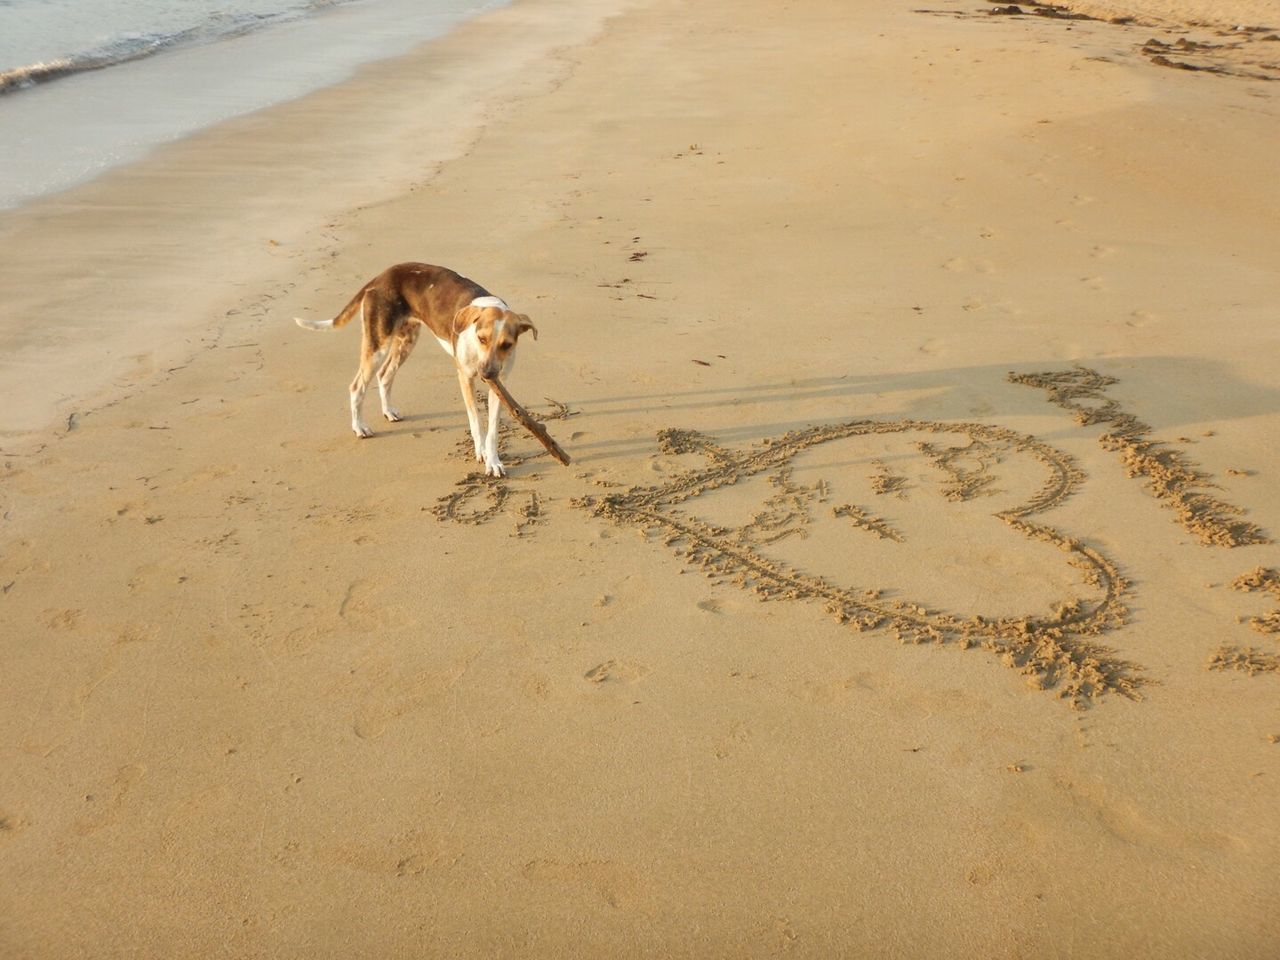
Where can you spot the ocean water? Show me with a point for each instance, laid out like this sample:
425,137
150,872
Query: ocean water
86,85
41,39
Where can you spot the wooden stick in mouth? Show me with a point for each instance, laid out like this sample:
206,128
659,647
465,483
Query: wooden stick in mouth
530,424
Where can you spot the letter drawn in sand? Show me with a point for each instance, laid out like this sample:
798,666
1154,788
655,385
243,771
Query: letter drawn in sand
884,481
1265,580
1170,476
479,499
860,518
968,468
1248,660
1251,660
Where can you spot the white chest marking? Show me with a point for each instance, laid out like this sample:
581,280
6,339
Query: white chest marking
445,345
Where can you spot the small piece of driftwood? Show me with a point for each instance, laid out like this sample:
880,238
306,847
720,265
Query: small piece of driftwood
530,424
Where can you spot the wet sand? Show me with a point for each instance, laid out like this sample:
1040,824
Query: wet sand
911,591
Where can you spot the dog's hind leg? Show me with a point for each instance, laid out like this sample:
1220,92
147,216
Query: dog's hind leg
398,354
371,350
368,360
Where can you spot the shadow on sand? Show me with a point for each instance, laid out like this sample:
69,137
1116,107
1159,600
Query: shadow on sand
1168,393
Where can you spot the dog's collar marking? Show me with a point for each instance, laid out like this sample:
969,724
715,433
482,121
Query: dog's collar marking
489,302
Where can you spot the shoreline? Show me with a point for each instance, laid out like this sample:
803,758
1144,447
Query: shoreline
83,122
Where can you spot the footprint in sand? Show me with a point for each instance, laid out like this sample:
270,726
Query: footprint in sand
735,736
363,609
63,619
60,713
613,885
57,717
982,874
152,577
103,806
966,265
537,686
391,697
1129,823
932,347
831,690
102,670
19,558
621,671
143,366
11,825
778,932
414,853
200,479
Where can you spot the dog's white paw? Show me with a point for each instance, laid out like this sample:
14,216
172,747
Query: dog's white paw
494,468
361,430
392,414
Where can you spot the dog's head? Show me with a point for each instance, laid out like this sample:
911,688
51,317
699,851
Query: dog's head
496,332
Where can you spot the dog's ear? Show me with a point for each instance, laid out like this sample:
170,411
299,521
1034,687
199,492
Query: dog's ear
523,323
465,318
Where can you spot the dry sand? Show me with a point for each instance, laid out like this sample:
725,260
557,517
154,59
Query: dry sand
945,343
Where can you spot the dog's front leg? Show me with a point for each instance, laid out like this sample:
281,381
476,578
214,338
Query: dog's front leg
467,384
492,464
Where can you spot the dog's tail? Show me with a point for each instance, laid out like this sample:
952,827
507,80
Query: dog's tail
356,306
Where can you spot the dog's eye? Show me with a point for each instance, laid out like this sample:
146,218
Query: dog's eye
484,341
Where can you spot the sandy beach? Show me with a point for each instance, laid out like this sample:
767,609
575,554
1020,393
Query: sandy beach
913,588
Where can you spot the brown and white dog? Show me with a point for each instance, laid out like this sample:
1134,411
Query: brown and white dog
474,327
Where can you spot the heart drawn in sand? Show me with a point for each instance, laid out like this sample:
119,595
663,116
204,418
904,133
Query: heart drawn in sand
1056,651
